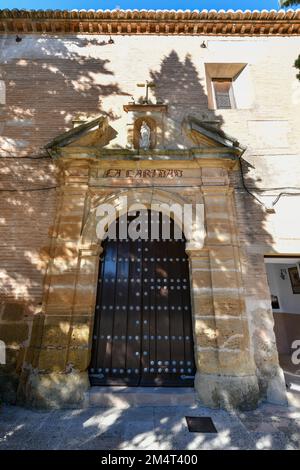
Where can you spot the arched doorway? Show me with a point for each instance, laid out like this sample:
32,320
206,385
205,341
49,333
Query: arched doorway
143,326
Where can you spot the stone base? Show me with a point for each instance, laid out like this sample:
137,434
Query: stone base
273,386
55,390
228,392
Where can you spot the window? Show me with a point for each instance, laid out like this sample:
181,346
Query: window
229,86
223,92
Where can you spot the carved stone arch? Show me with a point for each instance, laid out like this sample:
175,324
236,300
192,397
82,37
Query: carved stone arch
151,122
149,198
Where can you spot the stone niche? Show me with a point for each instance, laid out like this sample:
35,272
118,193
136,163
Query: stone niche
154,115
137,127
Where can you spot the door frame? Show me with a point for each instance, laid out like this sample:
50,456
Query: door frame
148,198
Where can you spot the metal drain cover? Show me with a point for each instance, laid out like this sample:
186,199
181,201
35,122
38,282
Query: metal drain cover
200,424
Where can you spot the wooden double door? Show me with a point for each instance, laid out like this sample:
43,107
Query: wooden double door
143,329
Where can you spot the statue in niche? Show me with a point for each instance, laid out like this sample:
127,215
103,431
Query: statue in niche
145,134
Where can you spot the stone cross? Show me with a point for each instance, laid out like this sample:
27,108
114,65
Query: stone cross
147,85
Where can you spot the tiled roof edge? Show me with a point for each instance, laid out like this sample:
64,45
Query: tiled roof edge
196,22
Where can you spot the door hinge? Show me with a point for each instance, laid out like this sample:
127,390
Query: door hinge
97,376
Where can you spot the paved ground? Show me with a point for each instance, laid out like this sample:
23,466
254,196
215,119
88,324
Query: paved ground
269,427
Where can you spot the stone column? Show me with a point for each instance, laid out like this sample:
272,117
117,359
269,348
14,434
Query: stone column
225,367
55,373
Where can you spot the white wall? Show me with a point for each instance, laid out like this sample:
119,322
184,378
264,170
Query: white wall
288,301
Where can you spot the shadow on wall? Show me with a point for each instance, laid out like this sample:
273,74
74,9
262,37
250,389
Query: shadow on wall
48,82
73,84
45,89
178,84
253,220
49,69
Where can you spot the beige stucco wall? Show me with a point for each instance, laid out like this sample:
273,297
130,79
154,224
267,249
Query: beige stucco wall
51,80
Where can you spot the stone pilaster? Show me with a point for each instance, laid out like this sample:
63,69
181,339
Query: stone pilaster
55,373
225,366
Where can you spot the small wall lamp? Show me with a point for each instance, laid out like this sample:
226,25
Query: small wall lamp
110,41
283,274
18,39
203,45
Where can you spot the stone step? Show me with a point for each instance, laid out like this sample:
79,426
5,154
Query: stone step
126,397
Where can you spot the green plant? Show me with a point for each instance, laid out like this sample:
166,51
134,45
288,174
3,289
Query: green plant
288,3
